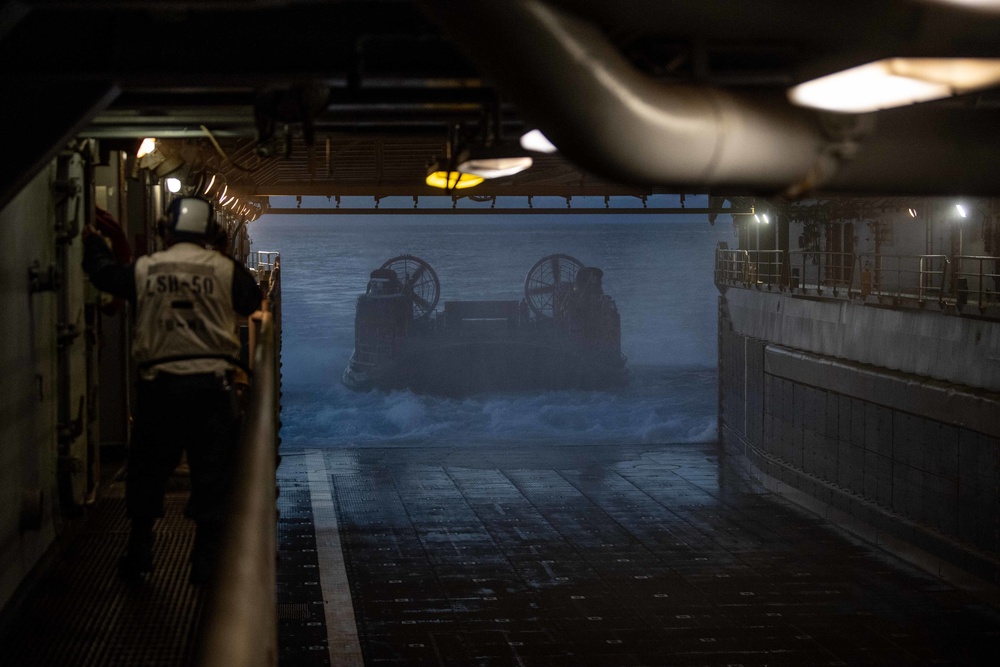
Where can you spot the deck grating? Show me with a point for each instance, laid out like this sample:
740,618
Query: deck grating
81,613
651,555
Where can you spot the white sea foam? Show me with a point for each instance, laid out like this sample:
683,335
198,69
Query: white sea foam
658,408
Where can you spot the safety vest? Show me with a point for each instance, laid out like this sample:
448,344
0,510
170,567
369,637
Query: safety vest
185,321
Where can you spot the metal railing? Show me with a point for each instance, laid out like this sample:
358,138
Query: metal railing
903,276
766,267
977,280
820,272
732,267
750,267
239,625
959,281
262,260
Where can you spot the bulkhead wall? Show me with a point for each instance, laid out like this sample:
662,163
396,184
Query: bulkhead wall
900,458
28,360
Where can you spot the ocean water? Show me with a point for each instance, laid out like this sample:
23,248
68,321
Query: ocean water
658,271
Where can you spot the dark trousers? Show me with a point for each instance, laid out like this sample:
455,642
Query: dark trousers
174,414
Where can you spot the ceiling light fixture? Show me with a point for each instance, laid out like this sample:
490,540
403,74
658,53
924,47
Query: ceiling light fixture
534,140
147,146
451,180
895,82
170,165
493,161
443,173
208,188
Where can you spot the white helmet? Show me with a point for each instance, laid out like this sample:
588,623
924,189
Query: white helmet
190,216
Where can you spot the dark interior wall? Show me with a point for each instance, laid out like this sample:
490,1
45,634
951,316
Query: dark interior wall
28,364
929,478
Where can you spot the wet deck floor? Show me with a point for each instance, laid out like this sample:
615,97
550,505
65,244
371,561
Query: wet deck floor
547,555
649,555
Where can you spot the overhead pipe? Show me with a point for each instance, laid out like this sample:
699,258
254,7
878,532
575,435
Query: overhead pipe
563,73
602,113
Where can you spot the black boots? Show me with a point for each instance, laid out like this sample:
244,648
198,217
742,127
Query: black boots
138,558
206,545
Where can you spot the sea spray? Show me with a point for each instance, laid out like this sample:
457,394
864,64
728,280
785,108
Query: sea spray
663,405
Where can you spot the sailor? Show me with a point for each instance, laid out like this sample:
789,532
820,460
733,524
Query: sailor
186,299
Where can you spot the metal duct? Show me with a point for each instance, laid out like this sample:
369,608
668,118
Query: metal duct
603,114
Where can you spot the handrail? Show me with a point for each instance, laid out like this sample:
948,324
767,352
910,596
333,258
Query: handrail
982,278
894,275
817,270
239,625
766,267
761,268
262,259
732,264
958,281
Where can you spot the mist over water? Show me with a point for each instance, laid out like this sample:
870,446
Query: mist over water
659,273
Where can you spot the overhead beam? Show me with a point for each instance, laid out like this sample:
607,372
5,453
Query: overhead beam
305,40
419,190
506,211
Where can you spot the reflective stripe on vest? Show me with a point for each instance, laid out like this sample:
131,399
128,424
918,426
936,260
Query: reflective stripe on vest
185,309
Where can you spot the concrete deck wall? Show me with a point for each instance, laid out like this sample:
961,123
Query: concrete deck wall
962,350
909,458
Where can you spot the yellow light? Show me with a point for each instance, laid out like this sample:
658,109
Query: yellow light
147,146
453,180
896,82
174,185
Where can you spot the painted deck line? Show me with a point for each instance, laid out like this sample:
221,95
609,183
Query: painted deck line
341,629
